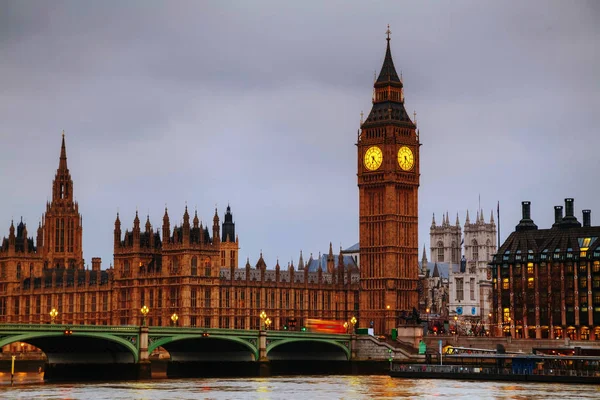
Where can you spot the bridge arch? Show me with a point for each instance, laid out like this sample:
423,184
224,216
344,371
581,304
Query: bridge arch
307,344
50,342
195,338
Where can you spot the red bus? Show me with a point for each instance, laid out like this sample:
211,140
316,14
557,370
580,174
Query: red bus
325,326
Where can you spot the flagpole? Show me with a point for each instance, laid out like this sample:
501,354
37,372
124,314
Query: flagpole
497,251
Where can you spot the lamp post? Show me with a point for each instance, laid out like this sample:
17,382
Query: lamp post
267,323
346,326
455,326
53,314
144,310
427,311
387,316
489,331
174,318
263,316
353,322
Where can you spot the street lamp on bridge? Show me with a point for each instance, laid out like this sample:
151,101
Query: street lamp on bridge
263,316
353,322
427,311
145,310
267,322
174,318
53,314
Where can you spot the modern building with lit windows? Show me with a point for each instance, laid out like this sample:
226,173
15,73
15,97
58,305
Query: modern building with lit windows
546,282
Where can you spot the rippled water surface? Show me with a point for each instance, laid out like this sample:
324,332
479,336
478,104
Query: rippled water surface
30,386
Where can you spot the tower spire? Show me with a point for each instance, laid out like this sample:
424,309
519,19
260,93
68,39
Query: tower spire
388,71
62,165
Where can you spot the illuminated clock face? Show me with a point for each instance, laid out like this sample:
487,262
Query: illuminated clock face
406,160
373,158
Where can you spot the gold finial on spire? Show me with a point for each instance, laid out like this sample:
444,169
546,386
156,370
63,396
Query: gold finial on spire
63,134
361,117
388,32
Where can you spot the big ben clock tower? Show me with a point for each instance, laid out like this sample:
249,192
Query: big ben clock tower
388,184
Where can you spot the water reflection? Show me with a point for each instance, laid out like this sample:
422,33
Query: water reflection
30,386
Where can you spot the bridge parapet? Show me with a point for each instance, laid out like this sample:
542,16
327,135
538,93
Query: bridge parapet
370,348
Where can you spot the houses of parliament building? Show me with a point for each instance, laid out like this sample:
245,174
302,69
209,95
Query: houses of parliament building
192,270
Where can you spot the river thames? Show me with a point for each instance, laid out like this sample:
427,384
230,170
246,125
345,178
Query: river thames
30,386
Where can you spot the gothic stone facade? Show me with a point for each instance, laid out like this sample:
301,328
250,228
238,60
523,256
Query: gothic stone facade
188,270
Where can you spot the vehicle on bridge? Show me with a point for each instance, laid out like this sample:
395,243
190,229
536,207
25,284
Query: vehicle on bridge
325,326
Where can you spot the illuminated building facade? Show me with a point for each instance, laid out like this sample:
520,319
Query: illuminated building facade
546,282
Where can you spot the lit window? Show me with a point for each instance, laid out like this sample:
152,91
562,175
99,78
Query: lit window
530,283
529,268
505,285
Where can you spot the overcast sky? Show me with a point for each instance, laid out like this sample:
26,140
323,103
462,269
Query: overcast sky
257,104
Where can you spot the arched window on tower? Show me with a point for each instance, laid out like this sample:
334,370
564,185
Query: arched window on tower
440,249
194,266
207,266
488,246
475,250
454,253
18,270
126,267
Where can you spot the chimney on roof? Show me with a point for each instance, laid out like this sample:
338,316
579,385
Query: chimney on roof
569,208
96,263
526,207
569,221
558,215
526,222
587,218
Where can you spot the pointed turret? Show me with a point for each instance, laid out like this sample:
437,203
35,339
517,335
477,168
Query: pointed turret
62,164
136,230
117,237
300,262
186,217
166,227
467,220
62,189
148,225
330,259
228,226
196,220
424,261
388,72
185,228
457,221
216,237
436,271
492,217
388,97
40,238
341,268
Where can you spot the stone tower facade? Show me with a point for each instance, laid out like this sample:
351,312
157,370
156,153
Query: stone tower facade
445,241
470,284
62,233
388,182
230,244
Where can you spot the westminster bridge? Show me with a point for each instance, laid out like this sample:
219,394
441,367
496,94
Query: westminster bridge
108,352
